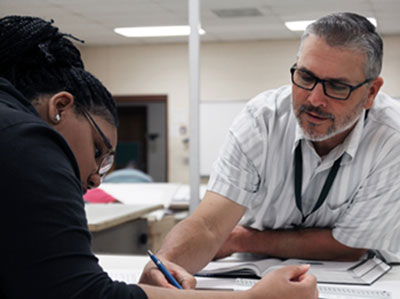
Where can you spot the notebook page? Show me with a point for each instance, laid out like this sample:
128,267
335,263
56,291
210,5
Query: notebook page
329,292
128,276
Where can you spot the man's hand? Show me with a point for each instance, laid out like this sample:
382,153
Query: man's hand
232,244
151,275
289,282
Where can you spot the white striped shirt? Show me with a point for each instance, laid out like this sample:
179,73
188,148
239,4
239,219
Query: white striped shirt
256,169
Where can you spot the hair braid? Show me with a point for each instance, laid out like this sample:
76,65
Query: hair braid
39,60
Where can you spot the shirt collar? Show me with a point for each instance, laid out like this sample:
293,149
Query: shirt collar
350,144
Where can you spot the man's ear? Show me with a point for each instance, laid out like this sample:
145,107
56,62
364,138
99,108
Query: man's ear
58,105
374,87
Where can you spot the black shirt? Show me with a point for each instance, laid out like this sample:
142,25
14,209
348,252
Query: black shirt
45,246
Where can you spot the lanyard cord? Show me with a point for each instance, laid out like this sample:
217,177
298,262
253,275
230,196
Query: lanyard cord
298,181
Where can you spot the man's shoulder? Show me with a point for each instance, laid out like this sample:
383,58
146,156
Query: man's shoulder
386,111
271,101
269,111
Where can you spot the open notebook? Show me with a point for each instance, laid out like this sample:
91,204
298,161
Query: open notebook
362,272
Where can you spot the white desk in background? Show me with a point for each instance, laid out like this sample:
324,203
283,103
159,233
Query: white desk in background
128,269
170,195
118,228
104,216
173,197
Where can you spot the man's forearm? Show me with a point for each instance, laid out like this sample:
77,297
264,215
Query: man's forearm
194,242
309,243
190,244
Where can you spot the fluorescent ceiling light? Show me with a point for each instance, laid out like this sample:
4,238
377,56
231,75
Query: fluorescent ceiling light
155,31
301,25
373,21
298,25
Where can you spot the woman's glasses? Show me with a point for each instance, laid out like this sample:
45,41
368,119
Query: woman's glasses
108,158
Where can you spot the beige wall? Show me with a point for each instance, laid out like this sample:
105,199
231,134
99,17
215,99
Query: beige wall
229,71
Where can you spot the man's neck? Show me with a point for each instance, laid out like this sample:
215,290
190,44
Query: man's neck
324,147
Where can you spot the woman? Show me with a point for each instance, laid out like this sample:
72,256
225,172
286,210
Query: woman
57,139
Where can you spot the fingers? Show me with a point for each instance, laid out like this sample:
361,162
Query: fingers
310,281
289,282
307,281
188,282
295,273
154,276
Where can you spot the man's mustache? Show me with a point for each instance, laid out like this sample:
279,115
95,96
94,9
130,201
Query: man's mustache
316,110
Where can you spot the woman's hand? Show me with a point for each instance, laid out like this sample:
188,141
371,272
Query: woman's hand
289,282
151,275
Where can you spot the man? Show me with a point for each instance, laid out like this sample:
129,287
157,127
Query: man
312,170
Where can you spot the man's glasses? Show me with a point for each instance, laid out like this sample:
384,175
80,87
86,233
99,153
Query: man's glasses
108,158
333,89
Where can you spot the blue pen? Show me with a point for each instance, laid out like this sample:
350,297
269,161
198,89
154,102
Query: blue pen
164,270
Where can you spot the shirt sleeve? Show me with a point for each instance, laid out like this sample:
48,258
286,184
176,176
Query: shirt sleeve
234,174
371,219
46,249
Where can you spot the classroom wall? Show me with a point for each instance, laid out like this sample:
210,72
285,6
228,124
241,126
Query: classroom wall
229,71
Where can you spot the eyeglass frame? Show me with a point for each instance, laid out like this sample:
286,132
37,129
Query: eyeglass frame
322,81
110,150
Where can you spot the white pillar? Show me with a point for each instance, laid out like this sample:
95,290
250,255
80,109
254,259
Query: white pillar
194,144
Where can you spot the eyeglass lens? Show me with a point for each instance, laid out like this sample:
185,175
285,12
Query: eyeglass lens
106,164
332,89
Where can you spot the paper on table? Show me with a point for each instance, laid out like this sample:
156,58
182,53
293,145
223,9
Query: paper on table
325,291
125,275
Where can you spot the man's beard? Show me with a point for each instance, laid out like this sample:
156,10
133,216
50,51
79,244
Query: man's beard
335,129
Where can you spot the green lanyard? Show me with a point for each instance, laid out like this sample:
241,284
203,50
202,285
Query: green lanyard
298,181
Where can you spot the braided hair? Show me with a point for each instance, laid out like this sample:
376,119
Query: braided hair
40,60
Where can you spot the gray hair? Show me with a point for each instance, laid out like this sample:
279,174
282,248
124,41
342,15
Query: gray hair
352,31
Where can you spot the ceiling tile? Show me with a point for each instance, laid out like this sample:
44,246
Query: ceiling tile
94,20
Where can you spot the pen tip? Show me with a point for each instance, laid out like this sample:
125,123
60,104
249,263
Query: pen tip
149,252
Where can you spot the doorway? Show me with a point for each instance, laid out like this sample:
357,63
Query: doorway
142,135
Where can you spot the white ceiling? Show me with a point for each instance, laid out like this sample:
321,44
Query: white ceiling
94,20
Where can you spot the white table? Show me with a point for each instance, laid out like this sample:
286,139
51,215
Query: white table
119,228
123,264
104,216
